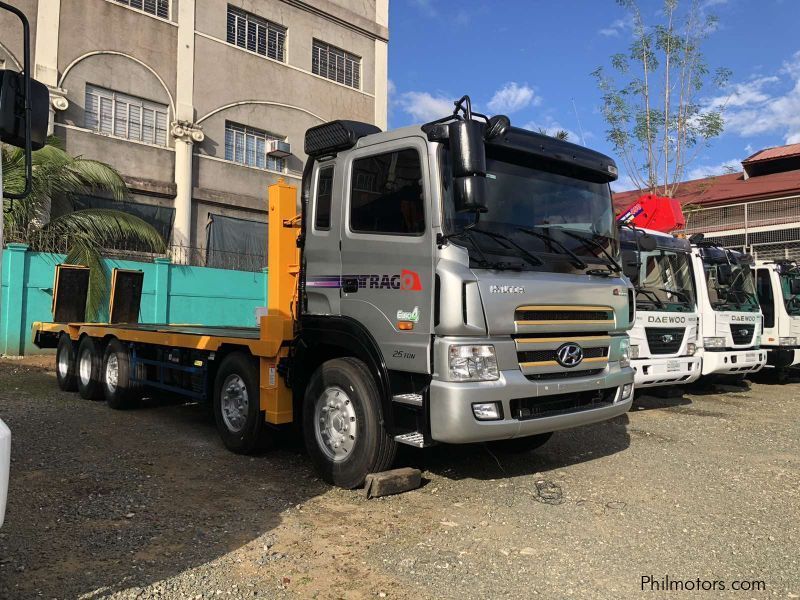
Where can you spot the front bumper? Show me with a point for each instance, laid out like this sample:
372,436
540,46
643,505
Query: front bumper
451,402
733,362
782,357
653,372
5,463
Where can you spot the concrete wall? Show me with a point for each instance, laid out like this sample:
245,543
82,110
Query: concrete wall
172,293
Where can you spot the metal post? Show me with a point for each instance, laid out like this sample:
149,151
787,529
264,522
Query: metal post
746,236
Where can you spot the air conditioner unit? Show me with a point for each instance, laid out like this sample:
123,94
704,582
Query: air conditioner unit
278,149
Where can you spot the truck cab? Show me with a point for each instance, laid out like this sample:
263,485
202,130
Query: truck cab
730,316
778,286
664,335
494,299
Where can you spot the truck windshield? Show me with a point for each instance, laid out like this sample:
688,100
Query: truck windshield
662,278
790,279
733,290
539,210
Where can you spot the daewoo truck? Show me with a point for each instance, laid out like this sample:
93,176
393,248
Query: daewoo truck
664,335
730,317
454,282
778,290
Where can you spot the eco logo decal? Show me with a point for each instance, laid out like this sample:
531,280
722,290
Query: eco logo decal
409,315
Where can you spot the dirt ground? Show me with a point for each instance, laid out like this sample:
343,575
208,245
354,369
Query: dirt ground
703,488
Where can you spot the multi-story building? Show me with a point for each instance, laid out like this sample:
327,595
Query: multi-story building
201,104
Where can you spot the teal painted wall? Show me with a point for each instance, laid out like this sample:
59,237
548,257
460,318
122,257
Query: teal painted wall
171,294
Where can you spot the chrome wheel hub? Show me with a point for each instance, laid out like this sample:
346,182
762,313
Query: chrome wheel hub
234,402
112,373
63,364
85,367
336,426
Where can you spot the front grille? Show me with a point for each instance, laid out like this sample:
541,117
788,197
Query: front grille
564,375
742,334
524,409
550,355
533,314
664,341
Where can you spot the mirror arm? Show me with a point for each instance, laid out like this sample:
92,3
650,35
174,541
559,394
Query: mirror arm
26,66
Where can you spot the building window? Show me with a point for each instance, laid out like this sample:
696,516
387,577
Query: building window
386,196
251,147
246,30
125,116
335,64
159,8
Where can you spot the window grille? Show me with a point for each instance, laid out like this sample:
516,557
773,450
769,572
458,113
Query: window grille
249,31
159,8
249,146
335,64
124,116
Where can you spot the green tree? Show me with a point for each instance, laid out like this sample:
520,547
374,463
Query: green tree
47,219
561,134
652,94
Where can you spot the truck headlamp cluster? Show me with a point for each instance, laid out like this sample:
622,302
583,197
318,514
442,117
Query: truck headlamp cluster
473,363
625,353
634,351
714,342
691,348
787,341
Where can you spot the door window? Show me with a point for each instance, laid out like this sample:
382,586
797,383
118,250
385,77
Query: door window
322,214
386,194
764,291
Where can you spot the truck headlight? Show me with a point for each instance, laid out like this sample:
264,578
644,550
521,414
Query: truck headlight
634,351
714,342
473,363
691,348
787,341
625,353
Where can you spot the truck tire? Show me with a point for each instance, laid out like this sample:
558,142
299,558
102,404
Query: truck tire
65,364
89,369
237,405
521,444
118,390
342,423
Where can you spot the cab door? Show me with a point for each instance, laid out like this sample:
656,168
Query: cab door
387,250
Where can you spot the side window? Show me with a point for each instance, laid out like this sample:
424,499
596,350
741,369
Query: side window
322,214
764,291
386,194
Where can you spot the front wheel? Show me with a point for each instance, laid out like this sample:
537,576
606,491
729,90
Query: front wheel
342,423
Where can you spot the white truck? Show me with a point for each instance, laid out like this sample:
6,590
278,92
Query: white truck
5,460
778,290
730,317
664,335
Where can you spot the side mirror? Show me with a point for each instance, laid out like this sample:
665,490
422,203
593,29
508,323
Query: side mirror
696,238
496,126
724,274
794,286
468,165
12,110
630,264
647,242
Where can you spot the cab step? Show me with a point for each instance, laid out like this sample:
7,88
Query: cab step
410,399
413,438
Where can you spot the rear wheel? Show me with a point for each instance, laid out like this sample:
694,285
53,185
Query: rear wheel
342,423
65,364
237,405
89,369
521,444
119,391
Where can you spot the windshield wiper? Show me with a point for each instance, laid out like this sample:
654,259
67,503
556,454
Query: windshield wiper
576,260
505,241
614,266
651,295
686,298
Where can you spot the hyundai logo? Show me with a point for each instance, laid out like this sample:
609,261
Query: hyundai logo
667,338
569,355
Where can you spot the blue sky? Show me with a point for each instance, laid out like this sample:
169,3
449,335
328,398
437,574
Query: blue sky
531,59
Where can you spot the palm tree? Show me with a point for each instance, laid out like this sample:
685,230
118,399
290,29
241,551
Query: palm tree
47,217
561,134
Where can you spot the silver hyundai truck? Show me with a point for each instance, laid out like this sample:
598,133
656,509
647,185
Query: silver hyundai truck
471,268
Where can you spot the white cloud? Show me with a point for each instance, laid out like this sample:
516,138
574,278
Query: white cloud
513,97
550,126
426,7
624,184
423,106
617,27
703,171
756,108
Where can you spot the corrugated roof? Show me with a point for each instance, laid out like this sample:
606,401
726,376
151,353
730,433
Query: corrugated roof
773,153
728,188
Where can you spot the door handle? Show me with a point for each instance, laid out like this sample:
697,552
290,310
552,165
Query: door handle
350,285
